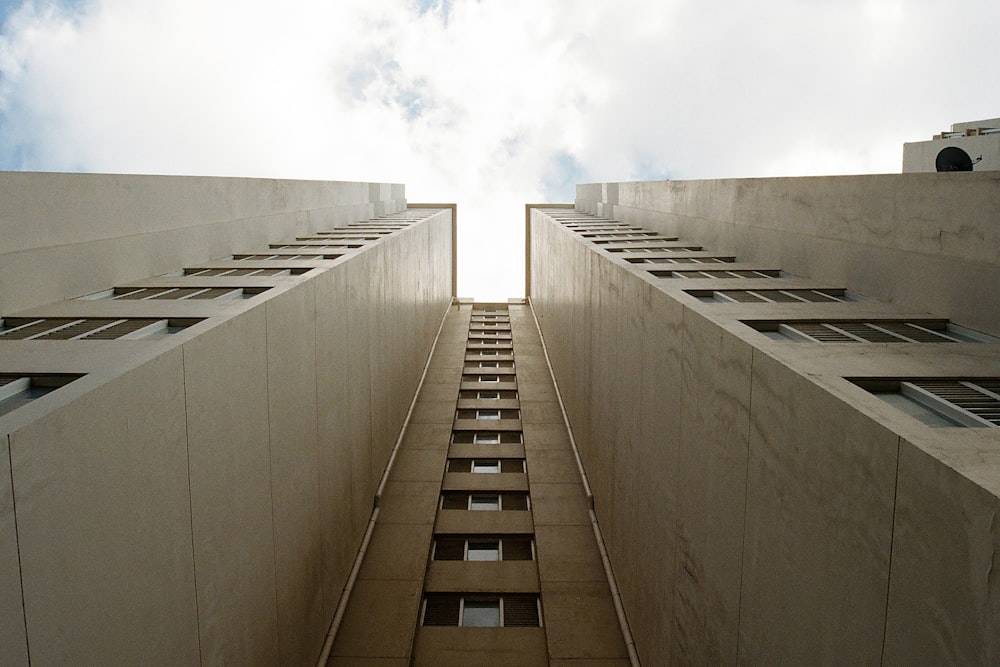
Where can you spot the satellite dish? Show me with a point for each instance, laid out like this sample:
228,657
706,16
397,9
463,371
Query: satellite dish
953,158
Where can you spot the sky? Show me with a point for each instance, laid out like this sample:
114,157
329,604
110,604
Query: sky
489,103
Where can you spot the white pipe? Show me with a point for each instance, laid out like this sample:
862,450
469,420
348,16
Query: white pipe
616,597
349,586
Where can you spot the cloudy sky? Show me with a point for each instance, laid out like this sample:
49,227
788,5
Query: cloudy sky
489,103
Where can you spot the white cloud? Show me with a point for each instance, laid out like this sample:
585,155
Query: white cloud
491,104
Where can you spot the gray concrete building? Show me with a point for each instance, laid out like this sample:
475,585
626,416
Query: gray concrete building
201,381
785,393
734,422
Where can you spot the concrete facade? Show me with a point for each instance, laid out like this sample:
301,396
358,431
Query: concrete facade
405,571
198,497
793,516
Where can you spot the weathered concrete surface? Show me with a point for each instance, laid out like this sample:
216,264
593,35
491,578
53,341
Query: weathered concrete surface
759,508
199,498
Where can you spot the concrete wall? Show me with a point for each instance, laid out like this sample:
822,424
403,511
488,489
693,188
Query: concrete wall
758,507
925,242
65,235
199,498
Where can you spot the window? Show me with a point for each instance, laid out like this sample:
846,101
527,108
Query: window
489,364
489,378
486,437
763,273
488,414
488,395
483,550
481,611
773,296
17,389
973,402
876,331
680,260
63,328
484,501
485,466
483,547
177,293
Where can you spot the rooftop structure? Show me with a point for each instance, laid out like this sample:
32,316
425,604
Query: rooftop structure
969,146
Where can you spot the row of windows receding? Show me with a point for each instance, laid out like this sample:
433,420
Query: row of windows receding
475,609
934,401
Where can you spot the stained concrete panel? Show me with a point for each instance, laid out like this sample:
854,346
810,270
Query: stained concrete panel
295,484
711,491
418,465
225,379
462,647
104,524
462,522
394,604
434,412
13,641
515,576
580,620
340,538
559,504
552,466
409,502
397,551
820,488
568,553
944,590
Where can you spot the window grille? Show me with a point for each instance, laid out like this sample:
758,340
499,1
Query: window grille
484,501
771,295
738,273
18,389
286,257
472,610
972,402
875,331
240,272
508,547
179,293
64,328
482,465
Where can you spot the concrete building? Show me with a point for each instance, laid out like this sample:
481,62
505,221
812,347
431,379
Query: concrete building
969,146
195,489
785,394
735,422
